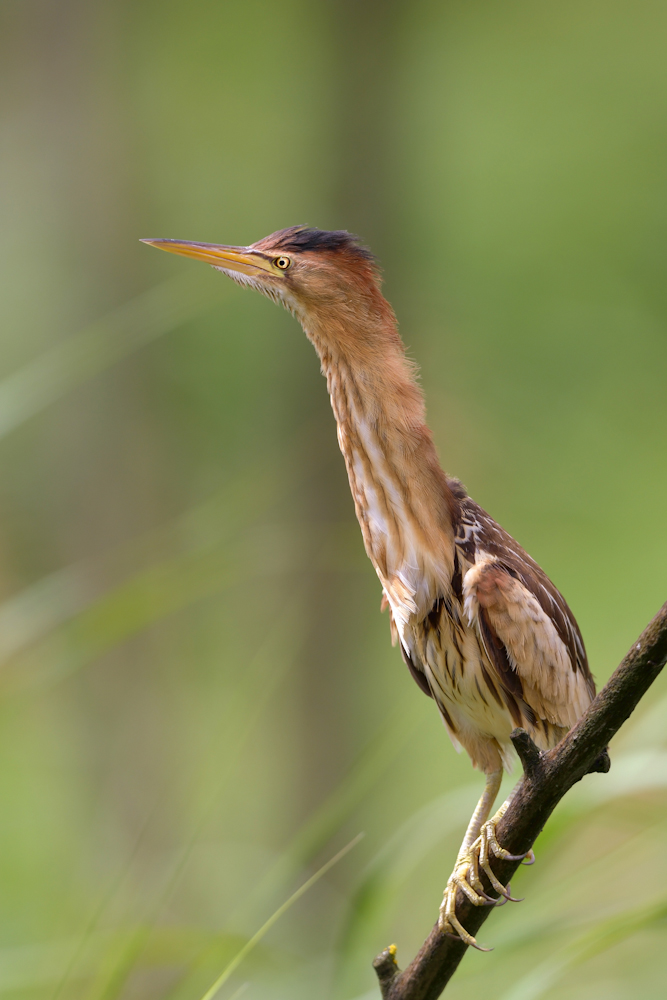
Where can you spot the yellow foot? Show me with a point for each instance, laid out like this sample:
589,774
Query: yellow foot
466,878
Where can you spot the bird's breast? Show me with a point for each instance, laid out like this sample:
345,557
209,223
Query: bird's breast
462,683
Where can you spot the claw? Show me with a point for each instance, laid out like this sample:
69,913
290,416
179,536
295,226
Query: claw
474,897
488,842
497,885
452,921
489,834
508,898
502,890
472,879
466,877
505,897
500,852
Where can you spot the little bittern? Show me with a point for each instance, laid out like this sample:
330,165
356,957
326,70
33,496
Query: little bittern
480,626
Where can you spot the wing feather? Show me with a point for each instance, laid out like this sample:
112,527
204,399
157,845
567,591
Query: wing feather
529,632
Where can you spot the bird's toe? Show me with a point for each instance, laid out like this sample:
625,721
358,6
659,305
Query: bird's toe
488,836
488,845
449,923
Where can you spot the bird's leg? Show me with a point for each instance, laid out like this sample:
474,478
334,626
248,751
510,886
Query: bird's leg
478,845
466,872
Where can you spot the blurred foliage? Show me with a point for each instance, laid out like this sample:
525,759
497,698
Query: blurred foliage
199,703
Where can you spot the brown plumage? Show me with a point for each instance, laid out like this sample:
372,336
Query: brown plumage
481,627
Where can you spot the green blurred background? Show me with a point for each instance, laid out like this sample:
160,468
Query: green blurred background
199,702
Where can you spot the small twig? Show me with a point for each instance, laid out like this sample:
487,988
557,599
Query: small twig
385,966
528,753
547,777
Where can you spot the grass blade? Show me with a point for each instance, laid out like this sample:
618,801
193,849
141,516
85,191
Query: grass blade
268,924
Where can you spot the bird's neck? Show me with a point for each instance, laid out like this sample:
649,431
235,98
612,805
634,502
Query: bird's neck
400,492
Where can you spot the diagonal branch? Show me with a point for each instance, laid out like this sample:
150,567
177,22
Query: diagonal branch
547,777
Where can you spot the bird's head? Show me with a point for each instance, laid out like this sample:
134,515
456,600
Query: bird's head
304,269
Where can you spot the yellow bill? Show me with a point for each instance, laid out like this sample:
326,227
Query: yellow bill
243,259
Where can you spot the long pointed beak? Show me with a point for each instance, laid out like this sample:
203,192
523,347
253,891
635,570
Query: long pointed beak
241,259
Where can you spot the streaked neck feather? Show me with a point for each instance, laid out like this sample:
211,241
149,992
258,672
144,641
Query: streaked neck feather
401,496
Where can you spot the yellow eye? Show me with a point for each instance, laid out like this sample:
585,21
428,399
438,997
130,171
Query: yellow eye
282,262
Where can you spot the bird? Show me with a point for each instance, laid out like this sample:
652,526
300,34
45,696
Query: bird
482,629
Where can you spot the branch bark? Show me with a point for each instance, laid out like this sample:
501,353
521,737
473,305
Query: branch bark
547,777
